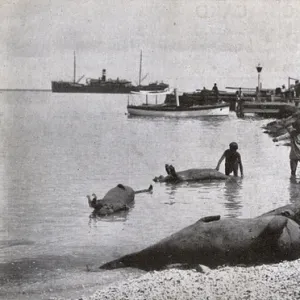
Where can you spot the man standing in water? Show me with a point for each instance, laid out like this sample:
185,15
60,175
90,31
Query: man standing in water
233,160
294,134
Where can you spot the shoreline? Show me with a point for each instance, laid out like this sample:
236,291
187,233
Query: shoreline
276,281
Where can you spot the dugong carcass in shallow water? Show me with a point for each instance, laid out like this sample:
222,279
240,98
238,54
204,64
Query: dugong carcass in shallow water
212,241
190,175
117,199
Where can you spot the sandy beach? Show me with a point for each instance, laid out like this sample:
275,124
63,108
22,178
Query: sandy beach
277,281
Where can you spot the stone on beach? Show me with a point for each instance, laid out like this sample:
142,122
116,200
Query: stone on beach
277,281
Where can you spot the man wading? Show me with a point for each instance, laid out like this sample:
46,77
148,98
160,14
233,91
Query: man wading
233,160
294,135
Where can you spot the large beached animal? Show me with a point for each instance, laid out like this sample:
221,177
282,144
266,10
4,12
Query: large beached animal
212,241
291,211
190,175
117,199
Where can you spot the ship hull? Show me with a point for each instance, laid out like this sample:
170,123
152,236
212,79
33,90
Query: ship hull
58,87
66,87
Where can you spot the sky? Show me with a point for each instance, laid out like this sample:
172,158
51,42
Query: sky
187,43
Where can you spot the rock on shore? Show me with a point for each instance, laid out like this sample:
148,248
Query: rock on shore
277,281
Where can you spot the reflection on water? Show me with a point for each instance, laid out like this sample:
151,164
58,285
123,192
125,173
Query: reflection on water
12,243
171,190
120,216
27,267
233,202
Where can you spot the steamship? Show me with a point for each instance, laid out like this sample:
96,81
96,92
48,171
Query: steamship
104,85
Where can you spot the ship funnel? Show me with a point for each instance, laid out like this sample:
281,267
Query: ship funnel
103,75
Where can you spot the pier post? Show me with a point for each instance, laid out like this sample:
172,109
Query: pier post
259,69
176,97
74,79
240,109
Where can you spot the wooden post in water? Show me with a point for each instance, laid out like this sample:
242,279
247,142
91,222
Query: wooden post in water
140,71
74,79
259,69
176,97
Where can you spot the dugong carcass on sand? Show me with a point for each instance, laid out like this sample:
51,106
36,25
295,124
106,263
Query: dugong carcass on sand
190,175
117,199
291,211
212,241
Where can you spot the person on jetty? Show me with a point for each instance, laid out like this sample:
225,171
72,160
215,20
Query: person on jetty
215,92
233,160
293,132
204,94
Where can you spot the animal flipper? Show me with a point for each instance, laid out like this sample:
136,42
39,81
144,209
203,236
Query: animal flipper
148,190
172,171
90,201
167,167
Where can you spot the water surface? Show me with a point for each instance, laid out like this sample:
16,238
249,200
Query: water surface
57,148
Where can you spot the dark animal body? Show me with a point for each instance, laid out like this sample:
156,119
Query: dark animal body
291,211
277,128
117,199
213,242
190,175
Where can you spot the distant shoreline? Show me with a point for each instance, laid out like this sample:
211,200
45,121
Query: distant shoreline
27,90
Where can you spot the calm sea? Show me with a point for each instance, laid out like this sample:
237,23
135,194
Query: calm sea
57,148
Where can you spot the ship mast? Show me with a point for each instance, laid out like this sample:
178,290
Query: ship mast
140,73
74,80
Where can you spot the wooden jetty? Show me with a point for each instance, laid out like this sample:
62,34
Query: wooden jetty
266,102
264,109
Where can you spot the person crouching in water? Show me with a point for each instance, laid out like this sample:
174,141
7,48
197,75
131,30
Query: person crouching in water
233,160
293,132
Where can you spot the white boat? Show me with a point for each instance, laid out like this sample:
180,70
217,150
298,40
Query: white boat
152,93
171,110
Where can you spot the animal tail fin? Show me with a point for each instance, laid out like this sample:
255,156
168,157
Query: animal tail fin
172,171
148,190
90,201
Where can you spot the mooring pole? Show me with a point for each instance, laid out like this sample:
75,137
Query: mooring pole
74,79
176,97
259,69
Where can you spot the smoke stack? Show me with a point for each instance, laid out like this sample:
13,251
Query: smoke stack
103,75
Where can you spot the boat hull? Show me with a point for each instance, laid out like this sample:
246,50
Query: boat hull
179,112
